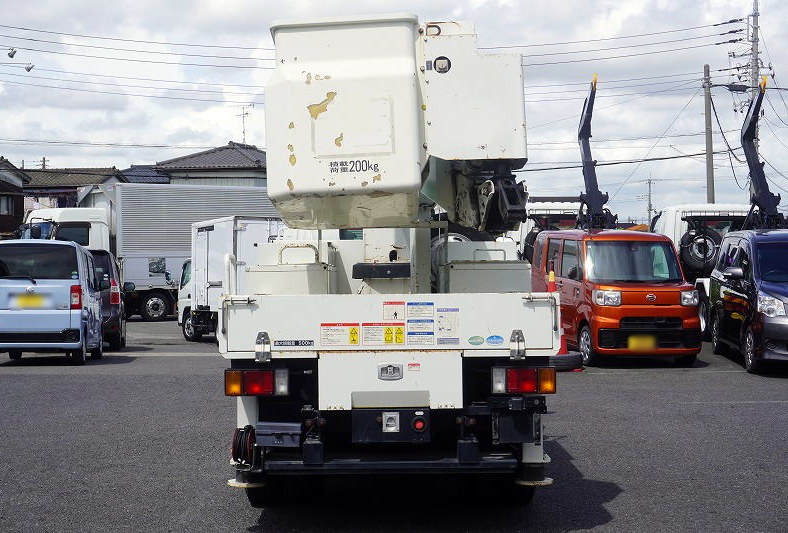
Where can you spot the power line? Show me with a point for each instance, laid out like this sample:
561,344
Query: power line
585,83
129,94
627,138
134,40
621,162
657,141
606,95
129,85
633,45
118,49
133,60
137,78
605,84
682,48
6,140
719,125
603,107
614,38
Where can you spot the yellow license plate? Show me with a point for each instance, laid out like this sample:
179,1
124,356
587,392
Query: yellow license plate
30,301
642,343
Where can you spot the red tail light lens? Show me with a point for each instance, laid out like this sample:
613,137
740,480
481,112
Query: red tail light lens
521,380
76,297
114,292
258,382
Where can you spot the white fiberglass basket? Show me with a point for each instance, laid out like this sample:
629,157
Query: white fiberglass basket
344,122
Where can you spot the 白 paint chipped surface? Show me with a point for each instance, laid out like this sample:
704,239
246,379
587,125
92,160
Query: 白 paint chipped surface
290,184
338,140
321,107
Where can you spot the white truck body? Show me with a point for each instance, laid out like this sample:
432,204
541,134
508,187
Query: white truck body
148,228
373,120
211,240
672,222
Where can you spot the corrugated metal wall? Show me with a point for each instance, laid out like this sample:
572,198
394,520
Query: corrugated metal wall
158,218
226,181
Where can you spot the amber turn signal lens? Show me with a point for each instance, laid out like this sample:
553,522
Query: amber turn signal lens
233,382
547,380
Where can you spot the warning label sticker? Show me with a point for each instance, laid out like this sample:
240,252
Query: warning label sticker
421,309
421,331
382,333
339,334
448,325
393,310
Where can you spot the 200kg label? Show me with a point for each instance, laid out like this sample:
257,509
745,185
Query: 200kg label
354,165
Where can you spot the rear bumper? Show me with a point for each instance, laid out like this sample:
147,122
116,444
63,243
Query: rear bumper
67,339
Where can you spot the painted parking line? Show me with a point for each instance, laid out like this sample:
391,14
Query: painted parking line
735,402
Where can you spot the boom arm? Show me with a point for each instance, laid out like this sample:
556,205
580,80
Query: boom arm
595,215
767,216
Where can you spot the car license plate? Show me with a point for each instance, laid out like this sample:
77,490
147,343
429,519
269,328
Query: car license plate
642,343
30,301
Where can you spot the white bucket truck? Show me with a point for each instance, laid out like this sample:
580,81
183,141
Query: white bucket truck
342,357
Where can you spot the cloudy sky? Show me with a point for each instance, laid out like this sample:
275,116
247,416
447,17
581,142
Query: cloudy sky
143,89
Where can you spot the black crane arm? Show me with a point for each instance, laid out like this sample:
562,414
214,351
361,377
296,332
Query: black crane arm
767,215
593,200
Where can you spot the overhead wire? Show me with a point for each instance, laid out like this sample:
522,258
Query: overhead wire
614,38
652,52
135,60
657,141
10,140
84,36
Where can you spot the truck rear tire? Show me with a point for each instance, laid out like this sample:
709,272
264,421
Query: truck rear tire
272,492
155,306
15,355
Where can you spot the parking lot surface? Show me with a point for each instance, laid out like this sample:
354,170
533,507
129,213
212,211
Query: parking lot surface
138,441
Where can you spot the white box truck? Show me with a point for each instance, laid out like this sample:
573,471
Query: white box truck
148,228
343,357
201,276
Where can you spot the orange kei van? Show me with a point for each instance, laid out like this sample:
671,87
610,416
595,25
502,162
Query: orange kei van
622,293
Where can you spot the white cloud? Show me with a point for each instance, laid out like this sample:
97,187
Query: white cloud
38,112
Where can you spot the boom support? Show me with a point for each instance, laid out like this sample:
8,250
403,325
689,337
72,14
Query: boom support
595,215
767,216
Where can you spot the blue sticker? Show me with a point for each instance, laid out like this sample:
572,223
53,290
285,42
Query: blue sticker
494,339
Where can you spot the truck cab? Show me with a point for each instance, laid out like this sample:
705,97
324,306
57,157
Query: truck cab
86,226
622,293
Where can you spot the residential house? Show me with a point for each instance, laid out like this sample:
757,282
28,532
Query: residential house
57,187
144,174
12,182
235,164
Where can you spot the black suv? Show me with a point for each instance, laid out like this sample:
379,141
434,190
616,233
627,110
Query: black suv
748,297
113,305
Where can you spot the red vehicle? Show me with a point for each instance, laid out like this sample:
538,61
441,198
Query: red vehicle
622,293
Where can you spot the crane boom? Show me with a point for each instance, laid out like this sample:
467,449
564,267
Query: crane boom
767,216
596,216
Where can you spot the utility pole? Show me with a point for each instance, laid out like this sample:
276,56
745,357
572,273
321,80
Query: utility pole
650,207
709,142
43,163
755,67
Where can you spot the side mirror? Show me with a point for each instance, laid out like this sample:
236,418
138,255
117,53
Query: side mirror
129,286
104,284
167,276
35,231
574,273
733,273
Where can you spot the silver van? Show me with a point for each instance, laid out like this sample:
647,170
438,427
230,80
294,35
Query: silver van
50,299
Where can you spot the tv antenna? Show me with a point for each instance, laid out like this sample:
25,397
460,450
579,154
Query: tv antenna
243,114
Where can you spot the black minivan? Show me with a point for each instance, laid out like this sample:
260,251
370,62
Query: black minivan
749,296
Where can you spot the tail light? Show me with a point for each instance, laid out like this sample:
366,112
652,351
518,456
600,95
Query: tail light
523,380
272,382
114,292
76,297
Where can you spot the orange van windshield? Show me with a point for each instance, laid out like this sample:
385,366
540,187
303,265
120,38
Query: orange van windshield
631,261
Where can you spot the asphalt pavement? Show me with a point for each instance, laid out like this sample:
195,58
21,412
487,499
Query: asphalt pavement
138,441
